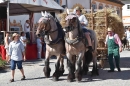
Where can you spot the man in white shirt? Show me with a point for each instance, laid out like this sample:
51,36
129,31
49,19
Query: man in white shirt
27,29
84,23
128,36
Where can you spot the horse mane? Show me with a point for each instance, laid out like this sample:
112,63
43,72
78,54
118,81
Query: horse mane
52,22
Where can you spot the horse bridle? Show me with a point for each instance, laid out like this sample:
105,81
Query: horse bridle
47,32
77,39
70,28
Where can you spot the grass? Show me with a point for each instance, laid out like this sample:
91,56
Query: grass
2,62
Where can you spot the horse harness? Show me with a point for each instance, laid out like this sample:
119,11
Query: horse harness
77,39
48,32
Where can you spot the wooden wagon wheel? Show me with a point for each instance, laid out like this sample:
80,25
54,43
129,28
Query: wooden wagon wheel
102,56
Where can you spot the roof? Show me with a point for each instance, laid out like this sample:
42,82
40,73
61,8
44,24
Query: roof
116,1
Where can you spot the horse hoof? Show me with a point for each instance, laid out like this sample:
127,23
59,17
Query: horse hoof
70,78
55,78
78,75
79,78
47,72
62,72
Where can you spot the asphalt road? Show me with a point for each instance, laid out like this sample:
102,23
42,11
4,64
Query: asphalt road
35,76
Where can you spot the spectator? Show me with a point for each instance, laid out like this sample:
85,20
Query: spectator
39,46
27,29
23,39
16,55
7,40
128,35
114,47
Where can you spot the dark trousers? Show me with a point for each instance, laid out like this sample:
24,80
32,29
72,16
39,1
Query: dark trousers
28,35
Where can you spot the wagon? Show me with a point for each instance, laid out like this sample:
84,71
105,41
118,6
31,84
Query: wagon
99,21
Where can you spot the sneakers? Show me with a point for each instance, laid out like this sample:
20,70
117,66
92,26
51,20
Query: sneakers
90,48
119,70
23,78
11,80
111,71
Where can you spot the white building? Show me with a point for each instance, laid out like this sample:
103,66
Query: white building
126,12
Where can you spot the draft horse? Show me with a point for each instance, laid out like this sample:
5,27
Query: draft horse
76,47
53,37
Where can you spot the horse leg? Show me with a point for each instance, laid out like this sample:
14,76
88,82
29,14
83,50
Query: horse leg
61,66
78,73
47,69
95,69
85,66
71,68
56,74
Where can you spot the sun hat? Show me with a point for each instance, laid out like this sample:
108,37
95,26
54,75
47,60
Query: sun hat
77,8
109,29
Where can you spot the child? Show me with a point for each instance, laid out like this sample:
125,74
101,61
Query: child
16,55
23,39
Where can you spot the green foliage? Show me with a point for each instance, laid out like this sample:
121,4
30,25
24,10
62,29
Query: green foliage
2,62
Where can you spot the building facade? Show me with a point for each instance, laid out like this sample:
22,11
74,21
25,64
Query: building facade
126,13
86,4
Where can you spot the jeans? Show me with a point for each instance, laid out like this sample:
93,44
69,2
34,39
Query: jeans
13,64
28,35
39,51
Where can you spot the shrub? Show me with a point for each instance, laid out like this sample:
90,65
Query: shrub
2,62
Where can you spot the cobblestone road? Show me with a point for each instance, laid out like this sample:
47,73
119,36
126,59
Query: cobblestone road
35,77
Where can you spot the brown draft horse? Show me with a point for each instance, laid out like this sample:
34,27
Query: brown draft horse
54,44
76,47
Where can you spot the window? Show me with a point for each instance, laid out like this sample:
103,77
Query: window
58,1
94,6
100,7
118,11
128,6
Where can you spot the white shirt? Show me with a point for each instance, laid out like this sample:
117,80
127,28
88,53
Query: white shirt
8,40
128,35
22,38
25,27
39,42
83,19
15,50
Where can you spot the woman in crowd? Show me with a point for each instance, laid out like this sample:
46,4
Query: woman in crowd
23,39
16,55
7,40
39,46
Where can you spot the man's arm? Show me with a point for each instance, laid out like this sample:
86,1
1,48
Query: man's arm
85,21
9,53
23,52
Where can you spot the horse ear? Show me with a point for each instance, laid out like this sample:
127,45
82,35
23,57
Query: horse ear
74,11
46,14
68,12
42,13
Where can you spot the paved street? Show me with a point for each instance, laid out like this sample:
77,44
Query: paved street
35,77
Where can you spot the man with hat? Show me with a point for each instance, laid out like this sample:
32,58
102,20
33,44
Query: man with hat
84,23
114,45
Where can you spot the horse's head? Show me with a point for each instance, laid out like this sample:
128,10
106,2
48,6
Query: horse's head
44,22
71,21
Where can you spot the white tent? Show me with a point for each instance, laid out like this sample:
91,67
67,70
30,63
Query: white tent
18,7
26,6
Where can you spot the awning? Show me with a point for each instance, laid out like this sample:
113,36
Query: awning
18,7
